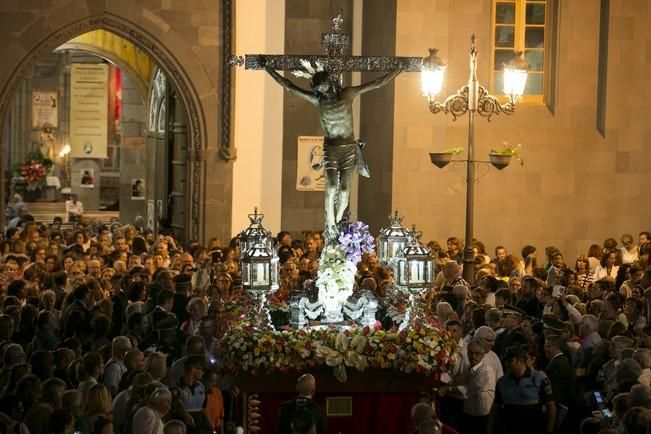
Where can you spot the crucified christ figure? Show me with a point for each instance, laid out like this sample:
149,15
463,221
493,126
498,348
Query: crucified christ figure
343,153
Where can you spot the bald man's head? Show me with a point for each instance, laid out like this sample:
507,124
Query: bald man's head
306,385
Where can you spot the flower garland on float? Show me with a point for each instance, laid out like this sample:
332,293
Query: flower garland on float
427,349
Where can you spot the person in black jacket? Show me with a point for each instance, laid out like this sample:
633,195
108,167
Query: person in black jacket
306,387
561,375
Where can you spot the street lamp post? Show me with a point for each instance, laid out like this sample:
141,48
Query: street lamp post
472,99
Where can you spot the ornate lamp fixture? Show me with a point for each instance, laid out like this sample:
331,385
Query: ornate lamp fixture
415,275
472,99
250,236
259,278
392,241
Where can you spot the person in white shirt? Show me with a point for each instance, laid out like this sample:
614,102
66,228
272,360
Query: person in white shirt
480,389
149,419
115,366
74,209
608,266
491,359
630,251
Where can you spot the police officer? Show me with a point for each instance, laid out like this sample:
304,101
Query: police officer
520,397
189,396
512,336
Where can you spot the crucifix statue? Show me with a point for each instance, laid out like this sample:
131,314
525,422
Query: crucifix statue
343,153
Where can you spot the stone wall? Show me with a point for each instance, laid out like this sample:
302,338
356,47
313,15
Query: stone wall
133,152
576,187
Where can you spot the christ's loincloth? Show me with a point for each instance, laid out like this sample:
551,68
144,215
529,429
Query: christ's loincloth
344,156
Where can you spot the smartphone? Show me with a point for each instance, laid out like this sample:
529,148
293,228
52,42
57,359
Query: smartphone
598,398
607,413
558,291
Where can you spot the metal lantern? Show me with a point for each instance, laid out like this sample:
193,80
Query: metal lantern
253,233
259,268
259,278
392,240
415,275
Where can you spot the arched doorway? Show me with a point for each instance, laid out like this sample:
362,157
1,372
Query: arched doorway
178,76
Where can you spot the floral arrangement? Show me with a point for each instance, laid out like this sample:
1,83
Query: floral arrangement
426,350
34,170
356,239
335,271
510,150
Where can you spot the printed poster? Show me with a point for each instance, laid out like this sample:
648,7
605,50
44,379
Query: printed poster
310,167
45,109
88,110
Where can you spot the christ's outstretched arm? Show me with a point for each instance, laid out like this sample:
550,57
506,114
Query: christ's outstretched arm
377,83
292,88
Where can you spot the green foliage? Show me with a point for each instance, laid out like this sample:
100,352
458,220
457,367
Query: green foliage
453,151
515,152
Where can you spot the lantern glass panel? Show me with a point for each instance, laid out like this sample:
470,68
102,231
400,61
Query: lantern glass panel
416,271
260,275
396,247
246,274
402,272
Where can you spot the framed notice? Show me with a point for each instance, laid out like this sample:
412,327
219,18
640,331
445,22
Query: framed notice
88,110
45,109
310,165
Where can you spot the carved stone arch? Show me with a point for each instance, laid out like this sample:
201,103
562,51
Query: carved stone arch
166,62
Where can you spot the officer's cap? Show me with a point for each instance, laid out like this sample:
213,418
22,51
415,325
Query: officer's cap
550,322
166,323
512,310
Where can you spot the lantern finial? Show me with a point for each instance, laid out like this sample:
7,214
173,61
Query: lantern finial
256,218
395,219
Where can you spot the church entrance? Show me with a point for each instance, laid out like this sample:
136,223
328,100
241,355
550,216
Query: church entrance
98,119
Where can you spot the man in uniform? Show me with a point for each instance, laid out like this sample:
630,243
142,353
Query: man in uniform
512,335
520,396
189,395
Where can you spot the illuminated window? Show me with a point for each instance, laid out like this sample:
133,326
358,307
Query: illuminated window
522,25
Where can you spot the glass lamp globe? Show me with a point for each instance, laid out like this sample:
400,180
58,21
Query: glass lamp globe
432,75
515,77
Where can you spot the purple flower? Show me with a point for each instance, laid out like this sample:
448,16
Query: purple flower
356,240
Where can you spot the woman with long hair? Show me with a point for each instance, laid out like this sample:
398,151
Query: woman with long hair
584,277
98,408
608,266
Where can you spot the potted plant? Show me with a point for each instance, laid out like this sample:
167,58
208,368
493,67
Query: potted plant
442,159
500,158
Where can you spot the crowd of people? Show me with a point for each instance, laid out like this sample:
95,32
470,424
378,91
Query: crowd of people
111,328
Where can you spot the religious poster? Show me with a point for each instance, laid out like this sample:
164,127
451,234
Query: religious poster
88,110
87,178
44,109
138,189
310,172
